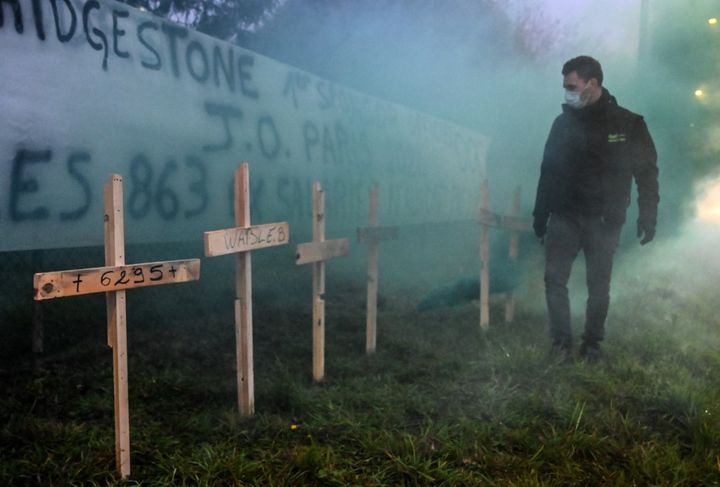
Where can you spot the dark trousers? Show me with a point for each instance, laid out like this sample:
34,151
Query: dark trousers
566,236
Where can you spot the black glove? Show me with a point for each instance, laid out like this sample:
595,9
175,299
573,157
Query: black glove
540,227
646,231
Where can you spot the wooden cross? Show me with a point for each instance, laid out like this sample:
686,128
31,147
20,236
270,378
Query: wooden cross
486,218
515,224
373,235
114,279
316,253
241,240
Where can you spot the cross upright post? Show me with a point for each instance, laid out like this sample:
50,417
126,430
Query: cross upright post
318,286
485,217
513,252
243,300
117,319
372,278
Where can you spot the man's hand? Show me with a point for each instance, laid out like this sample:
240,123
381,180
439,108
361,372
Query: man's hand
540,227
646,231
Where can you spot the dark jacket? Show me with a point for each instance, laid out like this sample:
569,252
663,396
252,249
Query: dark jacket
598,150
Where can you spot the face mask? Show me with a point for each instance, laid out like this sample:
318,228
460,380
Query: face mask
577,99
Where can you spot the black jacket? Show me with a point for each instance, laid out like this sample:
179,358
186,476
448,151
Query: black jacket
619,147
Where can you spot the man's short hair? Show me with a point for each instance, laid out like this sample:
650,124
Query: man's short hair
586,67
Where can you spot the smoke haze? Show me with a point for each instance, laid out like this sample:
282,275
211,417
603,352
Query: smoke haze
495,67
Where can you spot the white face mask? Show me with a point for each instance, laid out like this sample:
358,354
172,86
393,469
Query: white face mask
577,99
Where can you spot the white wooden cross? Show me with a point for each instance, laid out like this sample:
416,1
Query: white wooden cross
114,279
316,253
373,235
241,240
515,224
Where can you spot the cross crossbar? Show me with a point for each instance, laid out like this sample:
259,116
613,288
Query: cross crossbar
245,239
311,252
63,284
376,234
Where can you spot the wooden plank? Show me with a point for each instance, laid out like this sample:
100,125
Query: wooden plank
513,249
318,231
513,223
61,284
245,239
376,234
318,308
243,303
244,358
516,223
487,217
484,260
117,320
372,276
318,336
315,252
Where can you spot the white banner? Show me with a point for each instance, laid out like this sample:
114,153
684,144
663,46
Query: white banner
89,88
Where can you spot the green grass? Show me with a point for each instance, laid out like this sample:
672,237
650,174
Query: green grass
440,403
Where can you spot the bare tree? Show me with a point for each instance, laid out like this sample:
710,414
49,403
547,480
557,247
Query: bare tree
223,19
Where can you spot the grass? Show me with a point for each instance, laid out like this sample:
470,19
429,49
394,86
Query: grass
440,403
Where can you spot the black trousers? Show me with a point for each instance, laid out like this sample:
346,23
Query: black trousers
566,236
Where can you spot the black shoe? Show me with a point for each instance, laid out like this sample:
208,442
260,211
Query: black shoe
561,352
590,352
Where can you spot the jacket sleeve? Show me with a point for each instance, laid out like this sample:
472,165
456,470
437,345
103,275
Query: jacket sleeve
645,171
547,173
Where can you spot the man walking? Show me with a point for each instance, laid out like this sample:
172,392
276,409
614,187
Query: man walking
594,150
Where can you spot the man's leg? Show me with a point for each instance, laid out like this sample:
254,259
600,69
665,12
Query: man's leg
599,243
561,247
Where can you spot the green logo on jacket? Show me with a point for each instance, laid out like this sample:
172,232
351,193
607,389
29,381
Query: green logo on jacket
613,138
